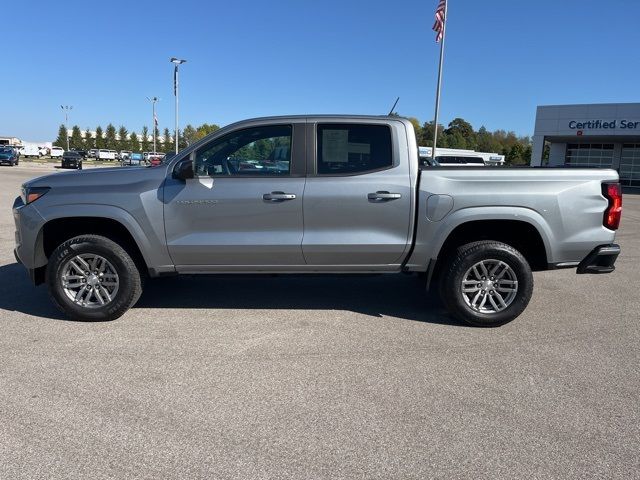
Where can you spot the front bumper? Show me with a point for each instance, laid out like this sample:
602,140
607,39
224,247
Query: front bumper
600,260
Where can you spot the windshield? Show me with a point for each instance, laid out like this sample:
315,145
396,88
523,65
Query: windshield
6,150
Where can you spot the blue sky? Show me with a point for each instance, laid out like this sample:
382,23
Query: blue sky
253,58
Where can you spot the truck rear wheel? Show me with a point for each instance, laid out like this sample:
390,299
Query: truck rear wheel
487,283
92,278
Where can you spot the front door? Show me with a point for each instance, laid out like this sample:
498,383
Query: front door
244,207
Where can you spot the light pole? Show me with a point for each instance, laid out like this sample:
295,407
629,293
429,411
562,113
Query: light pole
65,109
155,120
176,62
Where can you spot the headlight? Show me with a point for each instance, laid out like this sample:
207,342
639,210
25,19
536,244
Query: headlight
31,194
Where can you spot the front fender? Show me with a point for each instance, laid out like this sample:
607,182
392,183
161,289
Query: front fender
151,245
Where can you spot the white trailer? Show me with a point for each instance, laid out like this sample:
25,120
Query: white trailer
462,157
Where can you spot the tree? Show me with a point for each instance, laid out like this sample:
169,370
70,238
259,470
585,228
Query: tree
205,129
134,143
526,156
168,145
99,137
456,140
188,133
110,137
460,134
76,142
144,142
425,139
123,138
461,126
61,141
515,154
88,140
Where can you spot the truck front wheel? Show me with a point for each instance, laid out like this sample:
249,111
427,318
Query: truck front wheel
92,278
486,283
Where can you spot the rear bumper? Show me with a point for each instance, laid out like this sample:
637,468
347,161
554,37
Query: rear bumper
600,260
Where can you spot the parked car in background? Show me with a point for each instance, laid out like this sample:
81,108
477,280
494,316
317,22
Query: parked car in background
124,154
82,153
56,152
92,153
104,154
155,158
72,159
9,156
134,159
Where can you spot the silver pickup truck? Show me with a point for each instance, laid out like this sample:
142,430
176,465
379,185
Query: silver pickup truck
315,194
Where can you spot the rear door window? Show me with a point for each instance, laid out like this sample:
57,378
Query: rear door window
350,149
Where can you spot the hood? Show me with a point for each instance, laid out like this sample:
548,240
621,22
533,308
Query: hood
99,178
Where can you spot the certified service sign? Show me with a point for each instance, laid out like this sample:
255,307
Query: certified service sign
622,124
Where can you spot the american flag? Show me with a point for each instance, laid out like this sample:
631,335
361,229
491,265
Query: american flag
438,26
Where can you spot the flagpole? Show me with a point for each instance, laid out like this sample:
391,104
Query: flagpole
435,121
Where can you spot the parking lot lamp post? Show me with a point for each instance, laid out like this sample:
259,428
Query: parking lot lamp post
176,62
65,109
155,120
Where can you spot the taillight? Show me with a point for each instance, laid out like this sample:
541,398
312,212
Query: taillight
613,193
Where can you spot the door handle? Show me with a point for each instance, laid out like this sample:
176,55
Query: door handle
278,197
383,196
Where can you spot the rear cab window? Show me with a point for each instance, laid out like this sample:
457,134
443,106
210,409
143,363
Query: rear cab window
351,149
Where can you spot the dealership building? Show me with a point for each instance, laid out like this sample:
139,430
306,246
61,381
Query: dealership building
592,135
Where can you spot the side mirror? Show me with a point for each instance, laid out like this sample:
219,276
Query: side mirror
183,170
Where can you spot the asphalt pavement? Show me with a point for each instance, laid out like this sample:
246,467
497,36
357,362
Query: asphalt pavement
321,377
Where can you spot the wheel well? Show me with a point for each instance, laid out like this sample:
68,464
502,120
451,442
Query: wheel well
522,236
60,230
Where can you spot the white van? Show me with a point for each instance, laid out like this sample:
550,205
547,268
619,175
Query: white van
56,152
104,154
30,151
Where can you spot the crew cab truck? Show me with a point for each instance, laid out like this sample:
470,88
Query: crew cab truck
315,194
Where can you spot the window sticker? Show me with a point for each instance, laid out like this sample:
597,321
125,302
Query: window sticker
335,146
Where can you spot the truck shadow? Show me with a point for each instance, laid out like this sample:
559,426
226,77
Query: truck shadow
396,296
399,296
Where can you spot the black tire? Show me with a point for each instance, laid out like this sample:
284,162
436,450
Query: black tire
130,282
459,264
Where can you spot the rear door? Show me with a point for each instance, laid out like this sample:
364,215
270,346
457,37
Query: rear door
244,208
358,196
